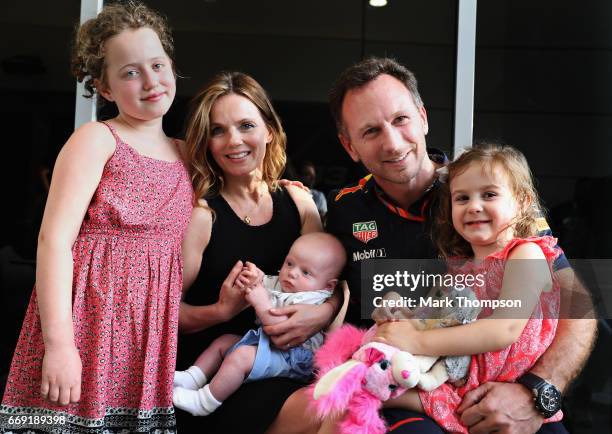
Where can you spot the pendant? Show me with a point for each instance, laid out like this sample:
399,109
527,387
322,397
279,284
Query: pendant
247,219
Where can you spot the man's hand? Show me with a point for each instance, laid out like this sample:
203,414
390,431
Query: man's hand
505,408
304,321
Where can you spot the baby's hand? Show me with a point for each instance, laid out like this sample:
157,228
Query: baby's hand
249,277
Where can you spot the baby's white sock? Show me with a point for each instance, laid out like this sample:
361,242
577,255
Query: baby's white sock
197,402
193,378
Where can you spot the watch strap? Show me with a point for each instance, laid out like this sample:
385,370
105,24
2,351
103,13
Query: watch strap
531,381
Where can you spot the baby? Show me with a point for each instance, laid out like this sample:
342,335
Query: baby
308,276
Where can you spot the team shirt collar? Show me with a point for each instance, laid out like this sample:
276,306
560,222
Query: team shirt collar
418,210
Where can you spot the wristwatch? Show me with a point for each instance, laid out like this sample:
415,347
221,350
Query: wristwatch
546,396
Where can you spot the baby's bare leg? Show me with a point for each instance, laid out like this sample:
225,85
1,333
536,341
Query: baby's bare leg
206,365
228,379
409,401
211,358
234,369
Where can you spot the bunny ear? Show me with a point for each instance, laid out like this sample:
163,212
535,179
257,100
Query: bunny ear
328,381
334,391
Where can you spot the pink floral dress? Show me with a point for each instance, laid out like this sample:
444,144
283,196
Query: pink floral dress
510,363
126,293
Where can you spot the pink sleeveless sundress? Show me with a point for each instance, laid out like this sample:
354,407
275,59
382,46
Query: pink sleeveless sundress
126,292
510,363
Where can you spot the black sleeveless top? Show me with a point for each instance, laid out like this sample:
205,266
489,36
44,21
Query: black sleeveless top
231,240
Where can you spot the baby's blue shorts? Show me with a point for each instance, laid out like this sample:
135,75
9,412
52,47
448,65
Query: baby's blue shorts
271,362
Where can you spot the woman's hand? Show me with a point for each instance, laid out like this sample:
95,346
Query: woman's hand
400,334
230,303
304,321
231,298
61,374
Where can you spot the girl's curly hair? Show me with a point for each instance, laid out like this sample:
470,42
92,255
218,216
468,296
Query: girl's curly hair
489,156
88,49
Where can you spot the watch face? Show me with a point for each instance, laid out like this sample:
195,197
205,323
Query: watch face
549,399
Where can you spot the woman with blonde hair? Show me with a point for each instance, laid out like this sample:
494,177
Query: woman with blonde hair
236,150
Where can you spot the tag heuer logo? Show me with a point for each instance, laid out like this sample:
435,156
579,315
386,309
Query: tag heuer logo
365,231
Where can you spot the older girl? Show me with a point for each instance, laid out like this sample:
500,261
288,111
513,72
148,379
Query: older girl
98,345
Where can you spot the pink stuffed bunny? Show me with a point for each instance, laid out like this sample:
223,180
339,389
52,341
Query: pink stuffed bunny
356,375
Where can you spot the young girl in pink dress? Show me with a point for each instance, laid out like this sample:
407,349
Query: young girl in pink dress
97,349
488,214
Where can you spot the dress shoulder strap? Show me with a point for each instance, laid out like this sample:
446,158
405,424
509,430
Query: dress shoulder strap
181,149
113,131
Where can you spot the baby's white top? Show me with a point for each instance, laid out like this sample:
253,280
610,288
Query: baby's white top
281,299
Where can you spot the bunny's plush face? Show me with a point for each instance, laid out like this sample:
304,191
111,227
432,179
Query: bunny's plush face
379,380
389,371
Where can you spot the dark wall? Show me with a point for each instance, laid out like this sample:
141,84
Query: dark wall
295,50
543,84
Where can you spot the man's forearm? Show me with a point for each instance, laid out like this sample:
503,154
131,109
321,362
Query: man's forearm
568,352
574,339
